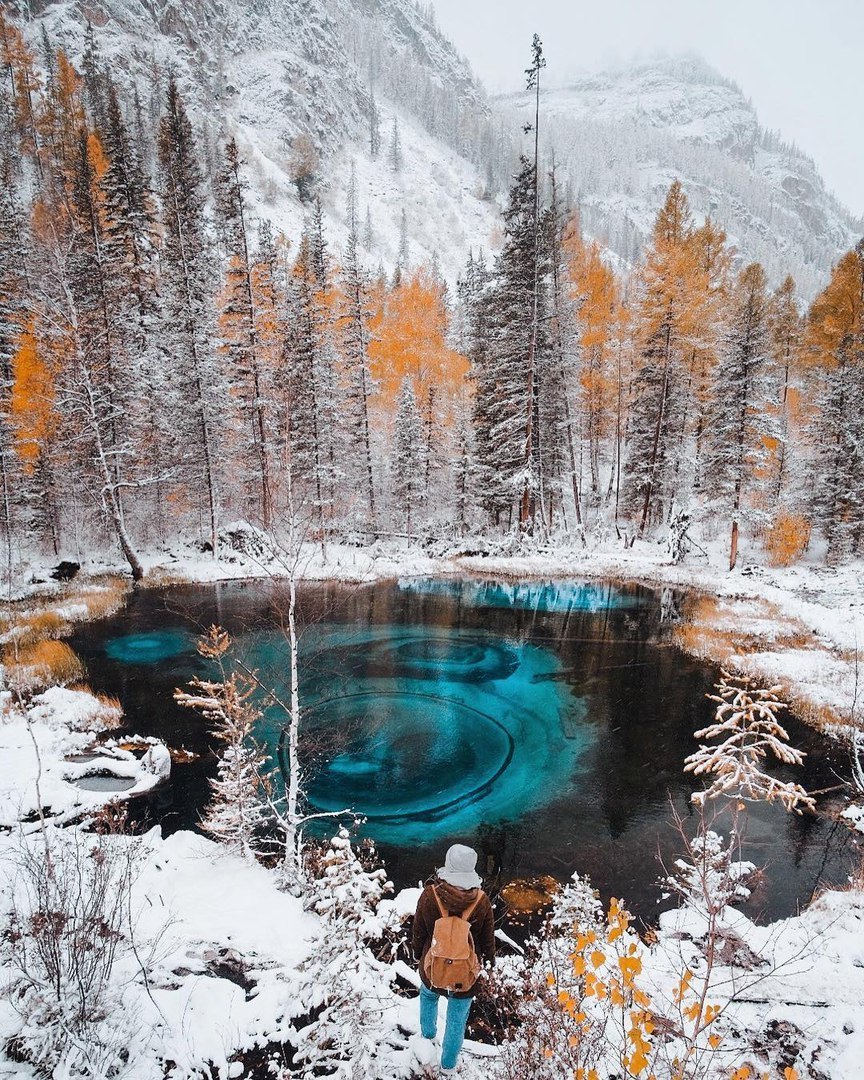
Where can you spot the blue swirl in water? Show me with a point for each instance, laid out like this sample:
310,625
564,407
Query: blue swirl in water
149,648
429,734
407,757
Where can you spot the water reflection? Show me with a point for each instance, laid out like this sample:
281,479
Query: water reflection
540,596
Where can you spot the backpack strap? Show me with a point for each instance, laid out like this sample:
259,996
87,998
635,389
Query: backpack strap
444,914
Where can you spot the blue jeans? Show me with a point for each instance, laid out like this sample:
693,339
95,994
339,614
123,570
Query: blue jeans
454,1029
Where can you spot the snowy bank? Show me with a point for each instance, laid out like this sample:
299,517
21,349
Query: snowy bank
53,764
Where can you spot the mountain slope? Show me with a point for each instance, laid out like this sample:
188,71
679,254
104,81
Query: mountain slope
296,82
622,136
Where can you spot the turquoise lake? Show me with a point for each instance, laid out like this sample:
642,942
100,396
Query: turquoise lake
544,723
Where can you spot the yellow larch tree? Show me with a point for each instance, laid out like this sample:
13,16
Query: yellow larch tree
835,344
409,338
596,298
32,412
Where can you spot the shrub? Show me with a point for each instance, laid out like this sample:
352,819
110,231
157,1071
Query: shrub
67,927
787,539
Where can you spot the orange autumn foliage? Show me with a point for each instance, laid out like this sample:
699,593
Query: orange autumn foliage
97,157
595,291
836,321
787,539
19,64
32,402
409,338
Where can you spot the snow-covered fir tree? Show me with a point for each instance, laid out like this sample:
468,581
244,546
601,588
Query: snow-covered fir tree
342,984
409,455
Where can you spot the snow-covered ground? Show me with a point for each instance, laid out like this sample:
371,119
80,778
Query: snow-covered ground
227,952
52,762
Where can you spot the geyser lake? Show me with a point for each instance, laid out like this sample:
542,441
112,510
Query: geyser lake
544,723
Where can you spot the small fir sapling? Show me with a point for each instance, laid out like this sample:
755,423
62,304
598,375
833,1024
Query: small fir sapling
343,986
238,810
746,722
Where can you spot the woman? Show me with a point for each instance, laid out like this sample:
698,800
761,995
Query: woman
455,890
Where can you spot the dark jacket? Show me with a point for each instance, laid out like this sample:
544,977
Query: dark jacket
454,901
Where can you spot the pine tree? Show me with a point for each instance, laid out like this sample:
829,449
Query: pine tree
409,454
14,289
247,375
394,153
507,370
187,277
403,258
95,81
374,127
532,478
476,296
343,986
835,336
368,236
786,330
130,246
308,377
354,323
740,420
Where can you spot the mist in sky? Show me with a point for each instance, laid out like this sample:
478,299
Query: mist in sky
799,61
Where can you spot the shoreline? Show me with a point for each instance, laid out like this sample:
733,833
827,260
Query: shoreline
796,627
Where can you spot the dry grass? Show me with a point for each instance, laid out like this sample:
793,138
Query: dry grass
37,666
110,709
717,631
815,714
34,657
102,601
713,630
707,633
109,703
33,628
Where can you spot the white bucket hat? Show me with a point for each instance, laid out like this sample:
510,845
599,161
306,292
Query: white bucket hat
459,868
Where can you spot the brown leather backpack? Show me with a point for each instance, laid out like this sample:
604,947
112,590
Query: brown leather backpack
451,962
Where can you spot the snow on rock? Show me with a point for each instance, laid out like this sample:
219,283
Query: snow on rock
50,761
855,816
157,760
